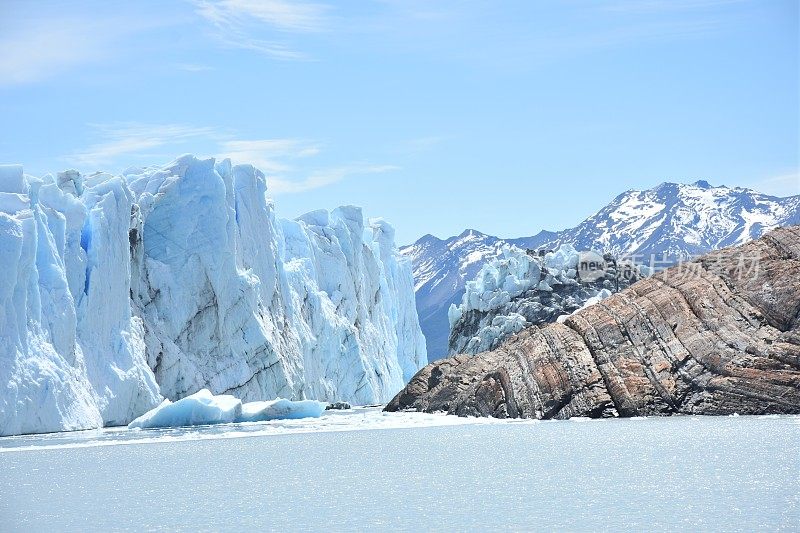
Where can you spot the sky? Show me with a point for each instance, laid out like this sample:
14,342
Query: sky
504,116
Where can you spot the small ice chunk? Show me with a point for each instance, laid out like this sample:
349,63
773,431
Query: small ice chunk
454,314
204,408
70,181
499,281
201,408
281,409
597,298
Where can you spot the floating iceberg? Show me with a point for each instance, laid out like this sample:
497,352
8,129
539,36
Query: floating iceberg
281,409
120,291
200,408
204,408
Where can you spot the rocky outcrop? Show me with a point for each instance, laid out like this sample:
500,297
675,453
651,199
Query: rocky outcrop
719,335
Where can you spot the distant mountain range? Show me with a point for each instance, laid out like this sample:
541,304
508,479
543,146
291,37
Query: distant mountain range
671,221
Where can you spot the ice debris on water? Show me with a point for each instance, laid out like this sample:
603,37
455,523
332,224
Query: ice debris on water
204,408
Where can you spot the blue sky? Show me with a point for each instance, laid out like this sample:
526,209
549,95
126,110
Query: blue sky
504,116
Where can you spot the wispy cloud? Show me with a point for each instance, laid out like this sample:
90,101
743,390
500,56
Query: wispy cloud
129,138
43,40
323,178
33,53
269,155
285,161
480,35
294,16
244,23
663,6
787,184
419,144
276,50
277,158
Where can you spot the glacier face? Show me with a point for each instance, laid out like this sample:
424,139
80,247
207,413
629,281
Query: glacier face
123,290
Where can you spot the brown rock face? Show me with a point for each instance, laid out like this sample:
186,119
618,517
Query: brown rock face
716,336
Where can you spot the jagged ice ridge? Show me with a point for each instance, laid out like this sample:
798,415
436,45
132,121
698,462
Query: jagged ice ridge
520,289
119,291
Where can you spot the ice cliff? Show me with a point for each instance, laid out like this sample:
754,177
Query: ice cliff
120,291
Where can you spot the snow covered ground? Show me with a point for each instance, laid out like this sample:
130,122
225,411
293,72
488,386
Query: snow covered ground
119,291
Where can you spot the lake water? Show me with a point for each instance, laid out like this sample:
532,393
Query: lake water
364,469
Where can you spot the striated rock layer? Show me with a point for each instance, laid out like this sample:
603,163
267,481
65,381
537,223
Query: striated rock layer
717,336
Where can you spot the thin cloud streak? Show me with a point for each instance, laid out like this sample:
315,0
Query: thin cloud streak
419,144
125,139
193,67
39,43
32,54
275,50
241,23
782,185
275,157
663,6
323,178
282,15
268,155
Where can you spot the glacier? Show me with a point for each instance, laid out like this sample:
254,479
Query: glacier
521,288
122,291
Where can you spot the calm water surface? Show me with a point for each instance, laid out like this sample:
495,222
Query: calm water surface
411,472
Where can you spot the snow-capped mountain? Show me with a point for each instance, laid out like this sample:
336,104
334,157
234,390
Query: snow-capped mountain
118,291
672,220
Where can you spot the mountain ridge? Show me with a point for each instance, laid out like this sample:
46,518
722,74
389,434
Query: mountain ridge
664,224
711,339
